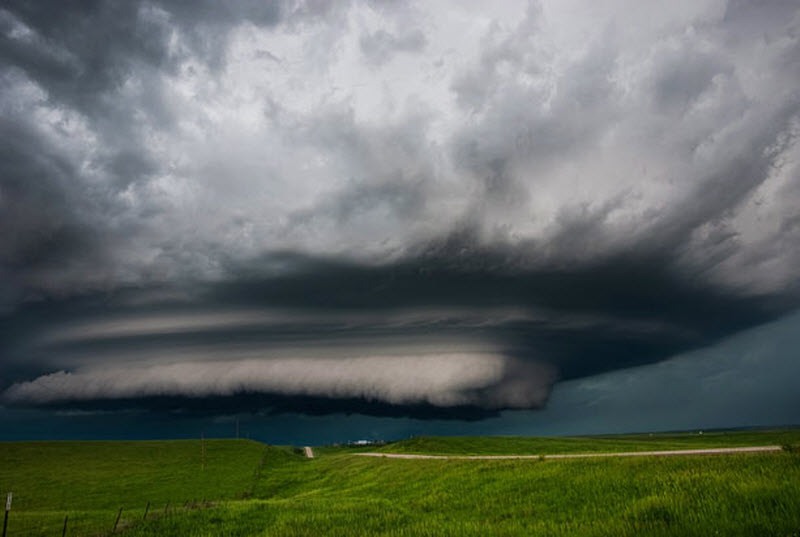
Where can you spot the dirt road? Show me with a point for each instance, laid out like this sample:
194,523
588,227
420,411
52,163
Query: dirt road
666,453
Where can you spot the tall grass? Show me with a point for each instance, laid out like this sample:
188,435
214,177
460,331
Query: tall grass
90,481
259,490
498,445
746,495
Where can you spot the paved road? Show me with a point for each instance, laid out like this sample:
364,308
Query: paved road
309,452
668,453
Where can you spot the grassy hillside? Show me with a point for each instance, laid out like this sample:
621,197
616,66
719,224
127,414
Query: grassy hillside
270,491
498,445
92,480
344,495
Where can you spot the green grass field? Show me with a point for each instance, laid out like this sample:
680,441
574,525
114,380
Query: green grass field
90,481
498,445
261,490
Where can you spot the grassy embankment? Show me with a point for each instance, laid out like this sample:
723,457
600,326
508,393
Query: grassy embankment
340,494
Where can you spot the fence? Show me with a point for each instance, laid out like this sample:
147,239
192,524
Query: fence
28,523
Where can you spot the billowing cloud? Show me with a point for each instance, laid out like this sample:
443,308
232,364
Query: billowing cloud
484,381
394,179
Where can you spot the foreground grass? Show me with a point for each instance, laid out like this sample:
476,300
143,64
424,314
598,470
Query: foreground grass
267,491
90,481
345,495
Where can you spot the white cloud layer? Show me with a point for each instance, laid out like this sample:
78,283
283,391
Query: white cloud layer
446,380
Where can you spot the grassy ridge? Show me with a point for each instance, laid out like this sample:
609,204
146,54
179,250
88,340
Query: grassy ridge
339,494
271,491
498,445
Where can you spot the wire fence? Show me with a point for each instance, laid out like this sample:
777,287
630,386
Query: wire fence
104,522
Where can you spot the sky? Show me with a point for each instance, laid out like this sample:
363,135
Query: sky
335,220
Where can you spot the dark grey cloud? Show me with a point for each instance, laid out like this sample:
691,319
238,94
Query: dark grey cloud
77,50
455,311
49,233
555,193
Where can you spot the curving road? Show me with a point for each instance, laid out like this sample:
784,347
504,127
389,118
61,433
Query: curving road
665,453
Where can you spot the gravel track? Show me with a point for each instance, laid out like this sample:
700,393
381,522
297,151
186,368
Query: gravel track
664,453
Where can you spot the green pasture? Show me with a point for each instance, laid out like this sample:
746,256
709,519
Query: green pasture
515,445
90,481
253,489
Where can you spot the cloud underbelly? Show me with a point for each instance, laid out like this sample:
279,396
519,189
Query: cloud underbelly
489,381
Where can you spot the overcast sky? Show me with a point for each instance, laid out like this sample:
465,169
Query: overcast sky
424,212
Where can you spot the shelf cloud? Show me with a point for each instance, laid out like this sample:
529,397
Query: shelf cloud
399,204
486,381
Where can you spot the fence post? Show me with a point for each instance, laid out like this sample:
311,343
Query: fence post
8,508
64,530
202,451
146,509
119,514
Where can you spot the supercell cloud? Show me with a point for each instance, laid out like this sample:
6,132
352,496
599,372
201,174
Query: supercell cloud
390,208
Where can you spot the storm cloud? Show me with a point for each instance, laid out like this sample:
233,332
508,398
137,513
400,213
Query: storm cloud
384,206
440,380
